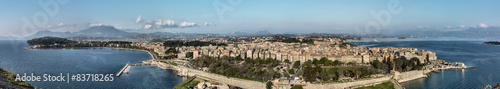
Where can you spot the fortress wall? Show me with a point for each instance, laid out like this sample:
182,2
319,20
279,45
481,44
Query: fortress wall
410,75
247,84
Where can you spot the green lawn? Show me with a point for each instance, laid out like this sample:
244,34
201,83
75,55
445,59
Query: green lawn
186,84
337,68
385,85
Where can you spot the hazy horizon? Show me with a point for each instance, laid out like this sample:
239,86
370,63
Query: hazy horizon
24,17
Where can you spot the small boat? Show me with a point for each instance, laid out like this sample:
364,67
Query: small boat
401,37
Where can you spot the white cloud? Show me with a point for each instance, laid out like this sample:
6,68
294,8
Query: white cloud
483,25
138,19
53,26
462,26
60,24
98,24
159,23
208,24
147,26
187,24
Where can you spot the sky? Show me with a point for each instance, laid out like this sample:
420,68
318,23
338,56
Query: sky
25,17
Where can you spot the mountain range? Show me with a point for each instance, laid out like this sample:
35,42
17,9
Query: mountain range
96,31
478,32
111,32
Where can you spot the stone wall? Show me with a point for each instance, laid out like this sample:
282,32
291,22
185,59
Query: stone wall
247,84
347,84
411,75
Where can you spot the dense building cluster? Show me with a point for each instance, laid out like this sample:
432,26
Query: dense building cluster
331,48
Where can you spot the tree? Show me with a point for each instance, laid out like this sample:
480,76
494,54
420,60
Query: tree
317,69
315,61
291,71
238,58
325,76
307,63
337,76
309,73
300,72
377,64
171,50
323,60
337,62
398,63
328,62
415,61
297,87
277,75
269,85
351,63
296,64
287,61
287,75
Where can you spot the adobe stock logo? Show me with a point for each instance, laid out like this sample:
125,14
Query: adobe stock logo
383,17
221,8
41,18
38,20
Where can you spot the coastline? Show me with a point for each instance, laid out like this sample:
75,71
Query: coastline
400,78
188,72
406,76
153,56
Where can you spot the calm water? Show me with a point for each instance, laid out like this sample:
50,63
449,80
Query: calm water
486,58
88,61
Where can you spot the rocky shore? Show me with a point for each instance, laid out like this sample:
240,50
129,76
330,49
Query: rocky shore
7,81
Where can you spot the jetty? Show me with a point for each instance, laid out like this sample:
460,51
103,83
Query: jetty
126,68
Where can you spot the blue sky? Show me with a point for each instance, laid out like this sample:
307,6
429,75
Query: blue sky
276,16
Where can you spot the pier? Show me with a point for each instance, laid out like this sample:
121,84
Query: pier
126,68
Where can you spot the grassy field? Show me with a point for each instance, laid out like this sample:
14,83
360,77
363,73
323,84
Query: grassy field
187,83
385,85
342,68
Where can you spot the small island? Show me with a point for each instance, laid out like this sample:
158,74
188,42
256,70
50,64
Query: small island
491,43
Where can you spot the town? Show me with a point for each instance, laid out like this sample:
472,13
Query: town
281,61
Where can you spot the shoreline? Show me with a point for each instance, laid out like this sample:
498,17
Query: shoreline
427,73
153,56
402,77
186,72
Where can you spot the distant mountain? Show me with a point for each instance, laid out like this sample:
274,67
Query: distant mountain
102,31
258,33
96,31
490,32
3,38
238,33
50,33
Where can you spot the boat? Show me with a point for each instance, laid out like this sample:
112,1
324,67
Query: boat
401,37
